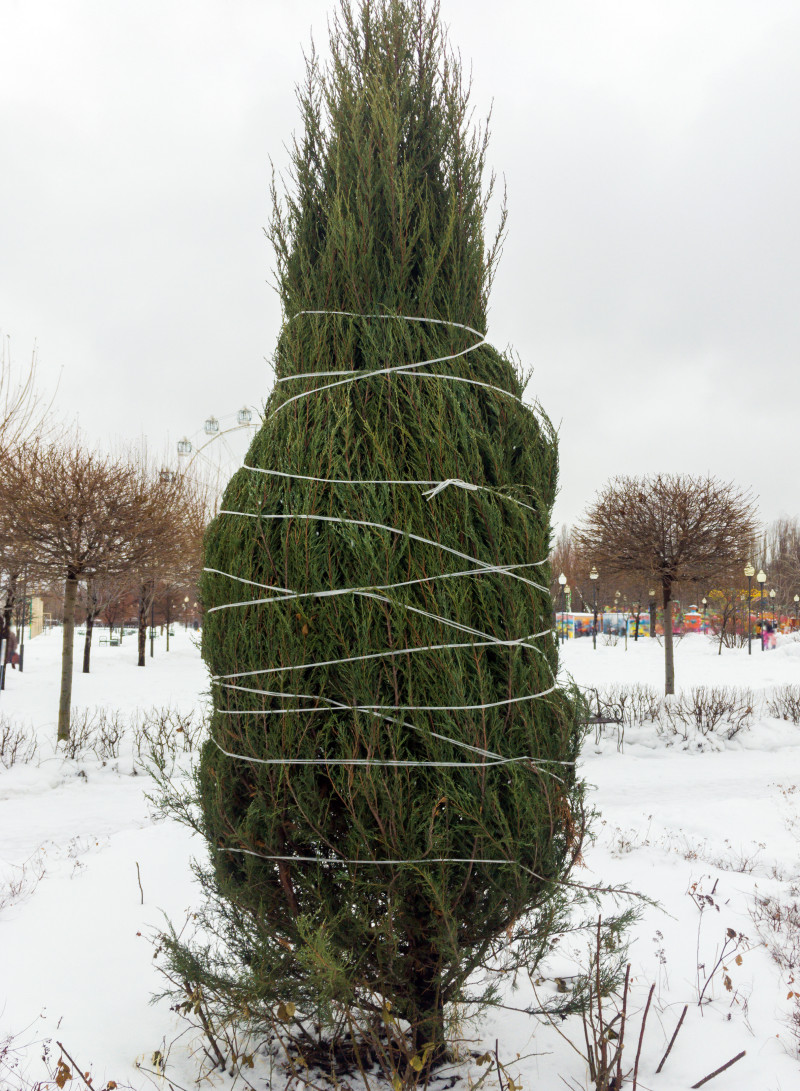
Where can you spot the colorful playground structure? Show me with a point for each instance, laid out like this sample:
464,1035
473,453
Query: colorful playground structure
570,626
610,622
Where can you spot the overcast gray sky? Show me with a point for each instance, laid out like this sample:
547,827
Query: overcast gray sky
651,276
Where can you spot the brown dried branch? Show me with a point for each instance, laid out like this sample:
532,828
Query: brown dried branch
717,1071
672,1039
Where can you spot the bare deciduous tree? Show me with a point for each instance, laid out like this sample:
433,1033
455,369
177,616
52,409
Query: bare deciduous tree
23,414
101,596
168,539
180,580
671,529
23,411
77,515
781,559
728,606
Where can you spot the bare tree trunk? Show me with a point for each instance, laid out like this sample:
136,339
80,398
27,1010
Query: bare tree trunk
142,626
67,648
8,609
87,643
5,633
669,659
5,626
427,1021
91,614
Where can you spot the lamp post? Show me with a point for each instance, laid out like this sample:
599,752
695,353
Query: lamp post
749,571
562,579
652,593
24,621
762,579
705,617
567,607
625,618
772,597
594,576
796,600
22,616
617,595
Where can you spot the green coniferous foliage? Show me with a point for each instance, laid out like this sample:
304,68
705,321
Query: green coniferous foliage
348,880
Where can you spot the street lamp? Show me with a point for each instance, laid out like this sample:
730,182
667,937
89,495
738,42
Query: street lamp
762,579
562,579
749,571
594,575
652,612
796,600
705,618
772,596
568,607
24,620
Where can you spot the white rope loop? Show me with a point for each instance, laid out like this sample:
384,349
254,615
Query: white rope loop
403,369
392,763
429,494
338,861
335,592
228,682
392,530
369,708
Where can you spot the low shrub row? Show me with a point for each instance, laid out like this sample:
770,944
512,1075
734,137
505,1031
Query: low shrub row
159,735
705,710
156,736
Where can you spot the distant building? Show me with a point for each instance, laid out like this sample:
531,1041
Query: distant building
35,616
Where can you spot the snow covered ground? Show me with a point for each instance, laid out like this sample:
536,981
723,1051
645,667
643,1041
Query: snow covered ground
704,825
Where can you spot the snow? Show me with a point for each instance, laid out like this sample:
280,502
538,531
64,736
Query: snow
717,815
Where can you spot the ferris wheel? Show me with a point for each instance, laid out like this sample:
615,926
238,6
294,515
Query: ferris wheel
215,451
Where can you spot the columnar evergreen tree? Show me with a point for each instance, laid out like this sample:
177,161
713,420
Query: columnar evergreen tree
371,664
